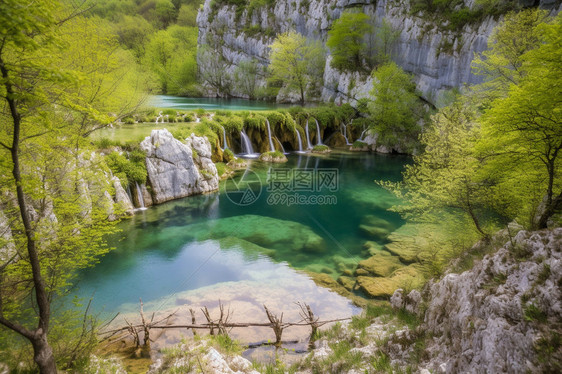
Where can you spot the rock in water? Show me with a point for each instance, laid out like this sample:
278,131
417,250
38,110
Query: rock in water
175,170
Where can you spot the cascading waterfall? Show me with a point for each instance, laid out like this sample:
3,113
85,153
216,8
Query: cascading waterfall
224,137
281,145
129,193
271,146
343,130
319,142
247,148
140,198
362,133
308,145
347,131
299,138
361,136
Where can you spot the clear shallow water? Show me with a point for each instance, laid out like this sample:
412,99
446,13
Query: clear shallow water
192,103
194,251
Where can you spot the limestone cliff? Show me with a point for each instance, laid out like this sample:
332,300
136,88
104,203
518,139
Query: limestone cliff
439,58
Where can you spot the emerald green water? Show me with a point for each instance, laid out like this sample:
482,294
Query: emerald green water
197,250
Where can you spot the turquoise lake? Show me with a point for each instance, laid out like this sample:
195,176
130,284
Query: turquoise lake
195,251
207,103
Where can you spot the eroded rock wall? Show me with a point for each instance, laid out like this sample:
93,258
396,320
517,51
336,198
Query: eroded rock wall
501,315
439,60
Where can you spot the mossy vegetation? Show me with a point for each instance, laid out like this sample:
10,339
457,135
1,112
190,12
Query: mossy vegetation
320,149
130,167
453,15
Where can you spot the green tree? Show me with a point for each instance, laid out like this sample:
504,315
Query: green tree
213,70
384,38
495,160
187,15
346,40
523,130
502,63
246,77
296,61
445,177
57,72
395,108
171,55
134,33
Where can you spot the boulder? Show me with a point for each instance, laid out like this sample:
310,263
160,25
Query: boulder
237,164
377,287
383,287
261,230
347,282
277,157
409,302
380,265
379,233
173,172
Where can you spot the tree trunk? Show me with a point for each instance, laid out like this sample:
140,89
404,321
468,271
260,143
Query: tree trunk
43,354
473,216
549,211
551,203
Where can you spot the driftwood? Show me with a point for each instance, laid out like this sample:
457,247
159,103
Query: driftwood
276,324
309,317
220,325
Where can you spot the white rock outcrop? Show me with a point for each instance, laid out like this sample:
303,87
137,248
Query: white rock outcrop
494,317
174,170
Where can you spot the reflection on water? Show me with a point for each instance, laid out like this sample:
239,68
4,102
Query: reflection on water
192,252
192,103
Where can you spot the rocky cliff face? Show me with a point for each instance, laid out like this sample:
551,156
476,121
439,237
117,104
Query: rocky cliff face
176,169
502,316
439,60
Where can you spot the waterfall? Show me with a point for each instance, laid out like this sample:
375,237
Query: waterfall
307,136
346,130
224,137
319,141
299,138
361,136
140,198
247,148
271,147
160,116
281,145
129,193
343,130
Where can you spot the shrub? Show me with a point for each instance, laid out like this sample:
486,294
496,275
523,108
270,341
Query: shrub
228,155
129,170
